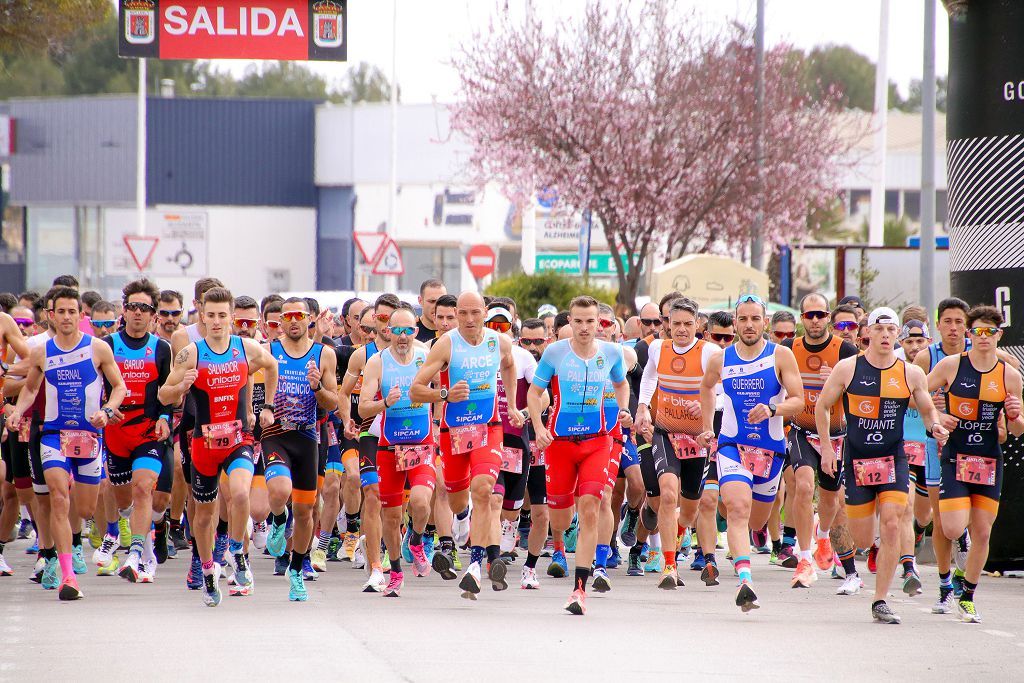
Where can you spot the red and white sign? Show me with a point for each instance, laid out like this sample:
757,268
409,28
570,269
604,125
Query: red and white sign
208,29
142,249
390,260
370,244
481,260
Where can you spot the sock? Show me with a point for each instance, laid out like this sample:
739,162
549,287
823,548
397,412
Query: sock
280,518
958,574
234,547
908,562
136,546
849,565
876,603
560,545
296,561
742,566
2,548
582,575
601,555
125,513
208,568
822,534
351,523
777,546
447,544
806,555
324,541
969,589
396,565
531,560
416,538
50,553
670,558
430,530
462,515
710,557
476,554
788,536
945,580
67,567
222,527
111,528
493,552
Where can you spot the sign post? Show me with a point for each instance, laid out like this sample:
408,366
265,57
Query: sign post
584,250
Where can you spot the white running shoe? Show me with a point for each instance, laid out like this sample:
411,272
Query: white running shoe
5,569
147,571
359,556
259,535
529,580
851,586
102,556
460,531
508,536
376,582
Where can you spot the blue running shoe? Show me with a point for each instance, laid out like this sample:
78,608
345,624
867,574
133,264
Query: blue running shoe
558,567
635,567
32,549
614,560
428,546
78,559
958,583
571,535
51,574
698,562
194,580
281,565
406,552
645,551
220,548
276,541
296,587
308,573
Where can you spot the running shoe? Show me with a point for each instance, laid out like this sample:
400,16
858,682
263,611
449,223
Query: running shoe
823,555
110,568
428,546
333,547
220,549
684,543
873,559
276,541
804,575
33,549
759,541
654,561
376,583
130,568
968,612
634,567
508,536
442,564
243,584
614,559
558,567
470,583
958,583
961,547
529,579
5,569
456,562
69,589
308,573
25,528
572,535
78,559
260,531
911,583
746,599
670,579
883,613
851,586
602,584
460,531
577,603
627,530
348,547
787,558
177,536
297,587
95,537
649,518
281,565
358,556
160,541
318,560
51,574
124,530
698,562
395,583
194,580
147,571
945,602
102,556
549,548
496,572
211,590
406,539
420,563
37,570
710,574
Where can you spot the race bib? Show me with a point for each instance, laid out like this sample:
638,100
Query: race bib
332,435
874,471
222,436
409,457
758,461
512,460
837,445
536,455
464,439
78,444
685,446
713,451
975,469
23,431
915,452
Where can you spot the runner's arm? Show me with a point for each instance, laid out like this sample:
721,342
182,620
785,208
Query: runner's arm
182,375
440,352
327,397
712,376
32,383
789,375
13,335
369,406
508,378
1013,389
108,366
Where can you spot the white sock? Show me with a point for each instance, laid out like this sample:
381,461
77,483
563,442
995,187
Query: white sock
805,555
157,517
822,533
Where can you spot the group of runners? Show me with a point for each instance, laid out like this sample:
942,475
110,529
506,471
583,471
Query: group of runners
452,437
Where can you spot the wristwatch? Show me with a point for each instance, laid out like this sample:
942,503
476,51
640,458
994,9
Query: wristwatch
772,408
108,411
318,387
444,394
266,406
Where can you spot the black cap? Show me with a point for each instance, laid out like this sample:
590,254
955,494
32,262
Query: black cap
852,300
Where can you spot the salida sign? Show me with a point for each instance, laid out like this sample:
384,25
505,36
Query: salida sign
264,29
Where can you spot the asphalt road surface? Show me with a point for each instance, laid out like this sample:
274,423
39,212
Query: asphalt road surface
162,631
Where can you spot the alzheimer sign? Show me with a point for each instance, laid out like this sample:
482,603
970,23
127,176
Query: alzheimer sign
202,29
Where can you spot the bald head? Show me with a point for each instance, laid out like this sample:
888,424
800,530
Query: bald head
650,320
469,299
470,310
632,330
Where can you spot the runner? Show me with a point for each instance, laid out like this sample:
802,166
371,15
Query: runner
168,315
469,360
846,323
215,371
576,439
446,320
979,387
761,382
876,388
71,365
430,291
17,479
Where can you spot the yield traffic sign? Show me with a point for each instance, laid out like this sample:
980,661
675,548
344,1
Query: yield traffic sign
370,244
141,249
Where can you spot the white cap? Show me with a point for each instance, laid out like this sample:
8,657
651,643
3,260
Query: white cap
498,312
883,315
914,328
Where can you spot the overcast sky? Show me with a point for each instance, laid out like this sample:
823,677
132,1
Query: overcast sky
429,31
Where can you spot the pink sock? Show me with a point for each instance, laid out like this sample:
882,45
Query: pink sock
67,568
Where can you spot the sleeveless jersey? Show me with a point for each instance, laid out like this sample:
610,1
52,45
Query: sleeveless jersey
810,363
371,351
679,378
913,426
404,422
875,404
578,387
746,383
74,387
138,369
295,406
975,399
525,367
478,366
220,392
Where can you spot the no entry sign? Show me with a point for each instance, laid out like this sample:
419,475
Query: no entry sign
481,260
263,29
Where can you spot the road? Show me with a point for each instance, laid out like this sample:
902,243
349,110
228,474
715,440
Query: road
162,631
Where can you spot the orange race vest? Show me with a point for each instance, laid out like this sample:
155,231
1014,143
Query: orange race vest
679,378
810,366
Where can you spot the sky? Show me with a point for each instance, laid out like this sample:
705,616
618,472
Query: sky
429,32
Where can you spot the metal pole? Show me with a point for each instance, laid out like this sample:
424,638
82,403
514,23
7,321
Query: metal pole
757,229
390,281
876,228
927,276
140,152
528,247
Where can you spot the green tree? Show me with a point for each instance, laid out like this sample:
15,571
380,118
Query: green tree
895,231
849,72
30,75
549,287
30,26
913,101
364,82
282,79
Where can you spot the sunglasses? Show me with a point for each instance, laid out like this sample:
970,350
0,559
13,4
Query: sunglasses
650,321
24,322
273,324
605,323
846,326
783,335
750,298
103,324
498,326
164,313
404,329
139,307
814,315
246,323
984,331
531,342
383,317
368,329
722,337
294,316
865,340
